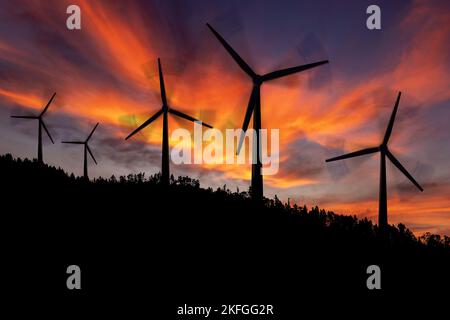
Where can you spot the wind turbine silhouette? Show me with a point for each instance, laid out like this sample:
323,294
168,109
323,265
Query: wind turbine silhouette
86,149
384,152
165,110
41,125
254,107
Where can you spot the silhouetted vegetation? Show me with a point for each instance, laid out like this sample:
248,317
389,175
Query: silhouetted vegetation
215,240
23,171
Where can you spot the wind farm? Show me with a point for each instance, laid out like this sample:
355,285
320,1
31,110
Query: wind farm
149,200
253,110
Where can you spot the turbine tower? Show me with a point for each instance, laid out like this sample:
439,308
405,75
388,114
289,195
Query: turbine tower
86,150
41,125
254,107
165,110
384,152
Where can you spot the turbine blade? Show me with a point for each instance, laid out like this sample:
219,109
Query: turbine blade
402,169
391,120
248,116
46,130
73,142
90,152
146,123
288,71
48,104
161,84
90,135
244,66
25,117
355,154
185,116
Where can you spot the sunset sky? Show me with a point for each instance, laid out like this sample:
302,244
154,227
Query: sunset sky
107,72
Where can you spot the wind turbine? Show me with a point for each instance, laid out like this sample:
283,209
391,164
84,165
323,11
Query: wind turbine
384,152
86,150
41,125
254,107
165,110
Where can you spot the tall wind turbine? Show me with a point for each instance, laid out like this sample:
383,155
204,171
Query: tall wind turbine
384,152
165,110
254,107
86,150
41,125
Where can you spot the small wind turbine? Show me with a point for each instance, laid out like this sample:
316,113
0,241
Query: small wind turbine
86,150
254,107
384,152
41,125
165,110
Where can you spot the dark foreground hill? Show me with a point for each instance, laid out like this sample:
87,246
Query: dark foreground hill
158,248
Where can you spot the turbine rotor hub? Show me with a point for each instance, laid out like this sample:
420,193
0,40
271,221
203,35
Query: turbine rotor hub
257,80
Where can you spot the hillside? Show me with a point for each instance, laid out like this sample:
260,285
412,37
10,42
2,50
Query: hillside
132,238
